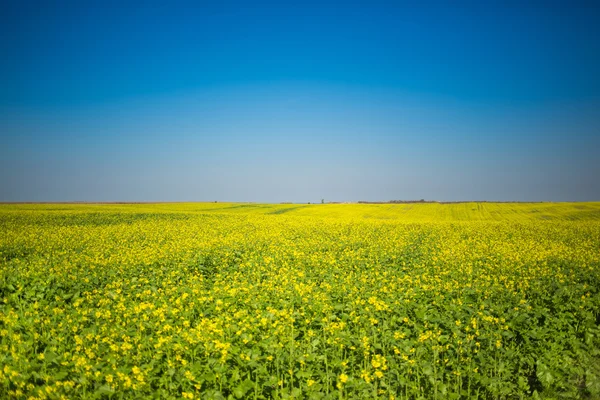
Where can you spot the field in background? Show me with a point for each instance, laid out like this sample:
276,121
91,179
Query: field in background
412,212
236,300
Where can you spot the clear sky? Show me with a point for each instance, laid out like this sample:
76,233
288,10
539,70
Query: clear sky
299,101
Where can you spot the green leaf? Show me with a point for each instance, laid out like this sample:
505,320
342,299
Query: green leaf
61,375
105,389
243,388
544,374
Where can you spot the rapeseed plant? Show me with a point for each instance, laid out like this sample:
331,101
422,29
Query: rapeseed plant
215,301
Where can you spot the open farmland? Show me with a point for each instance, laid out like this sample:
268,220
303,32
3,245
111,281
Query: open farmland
224,300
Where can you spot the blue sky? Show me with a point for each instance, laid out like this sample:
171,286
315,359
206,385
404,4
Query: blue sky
298,101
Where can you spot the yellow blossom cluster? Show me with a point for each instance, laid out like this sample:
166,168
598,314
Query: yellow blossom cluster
223,300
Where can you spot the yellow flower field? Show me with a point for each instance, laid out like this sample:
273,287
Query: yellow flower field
224,300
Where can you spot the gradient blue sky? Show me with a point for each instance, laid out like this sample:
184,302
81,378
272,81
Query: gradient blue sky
298,101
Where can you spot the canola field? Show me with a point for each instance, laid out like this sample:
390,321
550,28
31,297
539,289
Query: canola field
333,301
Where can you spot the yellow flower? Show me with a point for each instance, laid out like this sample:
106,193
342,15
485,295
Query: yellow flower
365,375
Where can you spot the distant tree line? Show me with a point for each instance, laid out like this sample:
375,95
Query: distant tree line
397,202
443,202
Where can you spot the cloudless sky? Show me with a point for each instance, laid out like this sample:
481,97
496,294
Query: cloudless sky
298,101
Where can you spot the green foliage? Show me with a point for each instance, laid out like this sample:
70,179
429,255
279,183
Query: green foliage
238,301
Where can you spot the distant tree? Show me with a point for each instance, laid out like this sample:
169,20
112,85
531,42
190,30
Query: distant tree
322,201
